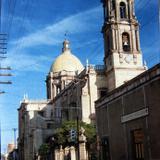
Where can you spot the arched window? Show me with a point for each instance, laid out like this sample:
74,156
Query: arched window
105,13
123,10
125,42
113,4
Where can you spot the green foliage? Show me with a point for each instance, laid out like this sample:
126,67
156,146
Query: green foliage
62,134
10,157
44,150
90,132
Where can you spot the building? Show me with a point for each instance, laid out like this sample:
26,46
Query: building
74,88
122,89
35,124
10,147
71,92
122,53
128,116
4,156
12,152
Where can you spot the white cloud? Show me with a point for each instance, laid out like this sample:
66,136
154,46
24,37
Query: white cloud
25,62
21,60
51,35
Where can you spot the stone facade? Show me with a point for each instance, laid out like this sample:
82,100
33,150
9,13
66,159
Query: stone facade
77,99
128,119
122,54
35,125
71,91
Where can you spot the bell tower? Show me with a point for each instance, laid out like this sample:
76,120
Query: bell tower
122,53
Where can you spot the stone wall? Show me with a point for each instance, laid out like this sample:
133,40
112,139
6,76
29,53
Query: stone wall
131,107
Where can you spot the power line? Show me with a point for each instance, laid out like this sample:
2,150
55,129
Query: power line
11,17
147,2
3,47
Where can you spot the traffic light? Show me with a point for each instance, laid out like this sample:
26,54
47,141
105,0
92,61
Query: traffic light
73,135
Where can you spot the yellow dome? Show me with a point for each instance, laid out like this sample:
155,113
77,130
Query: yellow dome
66,61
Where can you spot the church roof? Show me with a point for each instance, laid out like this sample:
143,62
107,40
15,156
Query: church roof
66,61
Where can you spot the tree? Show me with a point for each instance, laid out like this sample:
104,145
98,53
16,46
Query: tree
61,137
44,151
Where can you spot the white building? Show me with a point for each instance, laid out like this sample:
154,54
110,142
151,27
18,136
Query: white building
71,91
35,124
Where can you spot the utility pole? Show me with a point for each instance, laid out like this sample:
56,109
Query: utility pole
0,141
3,48
159,25
78,81
14,130
78,153
0,91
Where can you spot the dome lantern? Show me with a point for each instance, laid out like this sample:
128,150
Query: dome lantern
65,46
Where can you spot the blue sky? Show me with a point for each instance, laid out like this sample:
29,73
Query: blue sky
36,31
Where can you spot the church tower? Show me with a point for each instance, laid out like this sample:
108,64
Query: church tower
123,57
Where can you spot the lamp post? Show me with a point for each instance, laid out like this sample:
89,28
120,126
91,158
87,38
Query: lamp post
78,153
77,116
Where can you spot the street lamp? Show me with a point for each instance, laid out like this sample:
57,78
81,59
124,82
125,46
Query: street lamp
78,153
77,81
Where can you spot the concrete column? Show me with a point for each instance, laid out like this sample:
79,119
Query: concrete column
56,154
50,88
113,39
133,39
120,40
133,9
54,93
82,151
117,38
117,11
130,9
61,154
82,145
73,153
109,8
137,40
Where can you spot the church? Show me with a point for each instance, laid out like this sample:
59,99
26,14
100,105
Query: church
122,93
71,92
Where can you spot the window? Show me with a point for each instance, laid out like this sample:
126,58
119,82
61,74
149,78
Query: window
105,13
41,113
105,148
102,92
123,10
125,42
108,44
113,4
58,89
138,144
49,125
